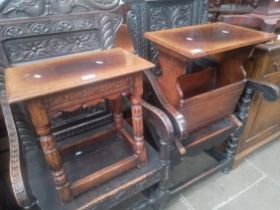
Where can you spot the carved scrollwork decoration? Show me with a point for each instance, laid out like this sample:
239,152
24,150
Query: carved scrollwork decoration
132,27
173,16
19,188
35,8
40,28
14,31
68,24
29,8
164,17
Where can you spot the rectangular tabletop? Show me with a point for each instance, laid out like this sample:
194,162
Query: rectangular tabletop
207,39
46,77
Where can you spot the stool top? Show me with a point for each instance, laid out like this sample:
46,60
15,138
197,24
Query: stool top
207,39
41,78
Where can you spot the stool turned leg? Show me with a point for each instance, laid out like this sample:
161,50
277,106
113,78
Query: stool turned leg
118,116
137,121
41,123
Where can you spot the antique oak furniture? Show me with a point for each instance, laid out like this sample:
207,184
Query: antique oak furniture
263,124
202,106
66,83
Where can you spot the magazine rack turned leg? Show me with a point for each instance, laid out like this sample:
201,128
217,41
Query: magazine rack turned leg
270,93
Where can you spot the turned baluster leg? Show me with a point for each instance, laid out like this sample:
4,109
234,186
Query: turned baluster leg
41,123
242,114
118,116
137,120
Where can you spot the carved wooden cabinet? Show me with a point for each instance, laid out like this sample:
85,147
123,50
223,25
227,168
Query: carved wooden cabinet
154,15
263,125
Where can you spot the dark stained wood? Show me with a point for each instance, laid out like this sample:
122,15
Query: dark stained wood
208,39
63,73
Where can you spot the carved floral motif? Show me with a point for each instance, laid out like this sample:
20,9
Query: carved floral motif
26,49
47,26
170,17
174,16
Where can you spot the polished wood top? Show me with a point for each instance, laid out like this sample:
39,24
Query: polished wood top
46,77
207,39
